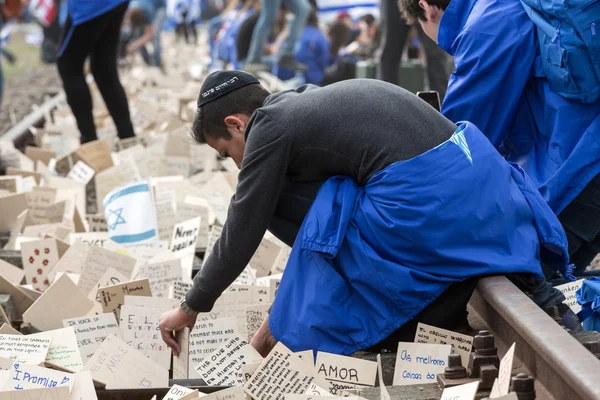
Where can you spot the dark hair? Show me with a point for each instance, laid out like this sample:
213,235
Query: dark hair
369,19
411,10
313,18
210,118
339,35
137,17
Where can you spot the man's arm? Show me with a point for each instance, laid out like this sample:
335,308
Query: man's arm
260,182
142,40
490,78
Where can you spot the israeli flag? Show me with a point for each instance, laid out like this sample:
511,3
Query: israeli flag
131,216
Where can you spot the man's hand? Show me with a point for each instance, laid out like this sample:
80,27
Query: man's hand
263,341
174,321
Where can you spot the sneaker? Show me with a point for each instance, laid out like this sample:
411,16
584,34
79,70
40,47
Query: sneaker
254,67
289,62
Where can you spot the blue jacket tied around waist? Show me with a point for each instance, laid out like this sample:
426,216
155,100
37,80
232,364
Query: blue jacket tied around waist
369,258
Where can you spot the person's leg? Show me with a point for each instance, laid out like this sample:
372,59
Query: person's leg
301,10
293,205
103,63
394,33
158,25
437,64
448,311
77,43
268,14
581,220
146,55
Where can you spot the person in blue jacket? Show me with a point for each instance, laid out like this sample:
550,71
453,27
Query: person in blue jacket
499,85
373,188
92,30
147,18
312,50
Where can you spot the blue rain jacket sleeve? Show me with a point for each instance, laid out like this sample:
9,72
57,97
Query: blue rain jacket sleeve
367,259
485,88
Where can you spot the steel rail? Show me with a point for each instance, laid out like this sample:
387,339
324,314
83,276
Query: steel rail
562,367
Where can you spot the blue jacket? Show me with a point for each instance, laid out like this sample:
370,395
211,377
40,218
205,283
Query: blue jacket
83,10
312,51
499,86
368,259
225,45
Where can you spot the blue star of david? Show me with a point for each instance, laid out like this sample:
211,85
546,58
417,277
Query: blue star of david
118,220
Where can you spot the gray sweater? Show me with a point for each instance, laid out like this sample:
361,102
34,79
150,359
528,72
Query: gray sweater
353,128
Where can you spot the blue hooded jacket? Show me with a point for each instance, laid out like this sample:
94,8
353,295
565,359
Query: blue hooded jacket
312,51
500,87
367,259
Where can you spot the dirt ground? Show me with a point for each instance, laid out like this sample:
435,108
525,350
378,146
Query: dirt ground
26,82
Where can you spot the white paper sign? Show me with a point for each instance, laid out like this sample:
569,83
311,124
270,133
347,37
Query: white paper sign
420,363
279,374
461,392
81,172
570,291
345,372
383,392
220,369
505,371
26,349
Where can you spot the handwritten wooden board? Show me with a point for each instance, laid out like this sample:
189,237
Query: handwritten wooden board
63,351
110,277
81,172
420,363
278,375
220,369
39,257
345,372
26,349
90,238
120,366
162,276
177,392
139,329
255,314
96,223
234,393
160,303
91,331
24,376
462,344
207,337
50,309
97,261
72,260
113,297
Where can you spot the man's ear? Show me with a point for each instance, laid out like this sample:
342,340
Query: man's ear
234,122
431,12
